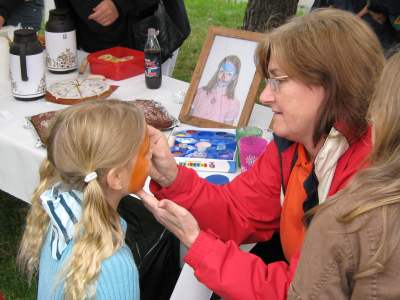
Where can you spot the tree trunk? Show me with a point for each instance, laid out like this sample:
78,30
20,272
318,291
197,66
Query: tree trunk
263,15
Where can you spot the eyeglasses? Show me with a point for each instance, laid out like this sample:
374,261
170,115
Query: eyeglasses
275,82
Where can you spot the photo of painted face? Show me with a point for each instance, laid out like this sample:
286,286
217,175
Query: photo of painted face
226,73
216,100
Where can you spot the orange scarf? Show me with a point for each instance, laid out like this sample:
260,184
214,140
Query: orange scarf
291,225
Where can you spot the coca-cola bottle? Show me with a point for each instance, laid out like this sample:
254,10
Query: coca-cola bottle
152,60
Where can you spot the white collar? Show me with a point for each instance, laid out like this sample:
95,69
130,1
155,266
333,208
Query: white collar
326,161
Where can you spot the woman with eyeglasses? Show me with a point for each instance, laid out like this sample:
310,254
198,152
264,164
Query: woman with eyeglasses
352,245
321,70
216,101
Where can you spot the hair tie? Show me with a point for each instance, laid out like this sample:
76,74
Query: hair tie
91,176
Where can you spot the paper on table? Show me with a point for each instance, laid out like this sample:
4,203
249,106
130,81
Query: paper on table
5,89
4,59
6,115
187,287
8,31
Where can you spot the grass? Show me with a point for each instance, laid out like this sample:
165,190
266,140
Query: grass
13,284
202,13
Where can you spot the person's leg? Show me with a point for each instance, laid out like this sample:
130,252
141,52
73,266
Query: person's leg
28,14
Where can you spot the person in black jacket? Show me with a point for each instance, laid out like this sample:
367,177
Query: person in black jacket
100,24
382,15
28,13
103,24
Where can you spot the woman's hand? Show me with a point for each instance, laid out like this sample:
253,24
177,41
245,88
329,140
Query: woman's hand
105,13
163,165
175,218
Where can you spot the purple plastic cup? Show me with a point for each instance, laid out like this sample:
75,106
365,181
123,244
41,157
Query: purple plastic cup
251,147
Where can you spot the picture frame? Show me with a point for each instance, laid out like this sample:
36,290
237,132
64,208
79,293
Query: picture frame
225,81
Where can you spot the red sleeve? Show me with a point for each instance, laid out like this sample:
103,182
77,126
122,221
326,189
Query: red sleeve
234,274
245,210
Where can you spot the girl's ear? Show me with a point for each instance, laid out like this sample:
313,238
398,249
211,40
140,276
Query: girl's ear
114,179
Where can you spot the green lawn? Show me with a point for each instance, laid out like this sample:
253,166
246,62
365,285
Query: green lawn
12,217
202,13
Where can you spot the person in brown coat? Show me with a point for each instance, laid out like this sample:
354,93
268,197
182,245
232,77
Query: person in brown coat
351,250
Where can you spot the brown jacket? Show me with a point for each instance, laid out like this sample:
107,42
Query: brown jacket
333,252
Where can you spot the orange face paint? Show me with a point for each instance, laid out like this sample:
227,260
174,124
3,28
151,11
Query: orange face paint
140,170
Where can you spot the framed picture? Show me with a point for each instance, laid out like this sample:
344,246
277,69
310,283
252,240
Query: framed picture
224,84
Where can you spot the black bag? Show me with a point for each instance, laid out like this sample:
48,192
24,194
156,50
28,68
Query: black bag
155,250
171,21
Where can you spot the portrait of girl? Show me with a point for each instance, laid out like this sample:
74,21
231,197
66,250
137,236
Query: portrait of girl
216,101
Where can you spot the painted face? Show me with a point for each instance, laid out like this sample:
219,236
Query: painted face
140,167
226,73
295,105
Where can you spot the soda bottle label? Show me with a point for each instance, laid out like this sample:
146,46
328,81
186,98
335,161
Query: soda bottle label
152,65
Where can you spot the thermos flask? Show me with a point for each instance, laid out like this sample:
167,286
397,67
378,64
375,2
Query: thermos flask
60,38
27,66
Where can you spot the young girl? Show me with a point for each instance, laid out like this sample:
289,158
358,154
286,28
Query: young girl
351,250
216,101
97,152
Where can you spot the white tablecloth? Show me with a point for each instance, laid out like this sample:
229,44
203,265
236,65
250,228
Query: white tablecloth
20,159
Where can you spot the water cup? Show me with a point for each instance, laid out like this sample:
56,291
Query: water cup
248,131
242,132
179,96
251,147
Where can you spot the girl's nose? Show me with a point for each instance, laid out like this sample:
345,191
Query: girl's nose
267,96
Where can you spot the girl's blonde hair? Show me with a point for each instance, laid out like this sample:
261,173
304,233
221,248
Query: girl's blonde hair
333,49
93,136
378,186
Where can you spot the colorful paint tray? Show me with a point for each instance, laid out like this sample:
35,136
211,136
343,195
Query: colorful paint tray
210,149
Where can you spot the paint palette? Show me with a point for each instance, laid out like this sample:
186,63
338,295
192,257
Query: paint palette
205,150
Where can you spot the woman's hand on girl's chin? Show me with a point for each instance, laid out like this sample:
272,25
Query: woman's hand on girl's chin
163,165
175,218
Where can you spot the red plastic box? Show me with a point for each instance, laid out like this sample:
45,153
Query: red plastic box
117,69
